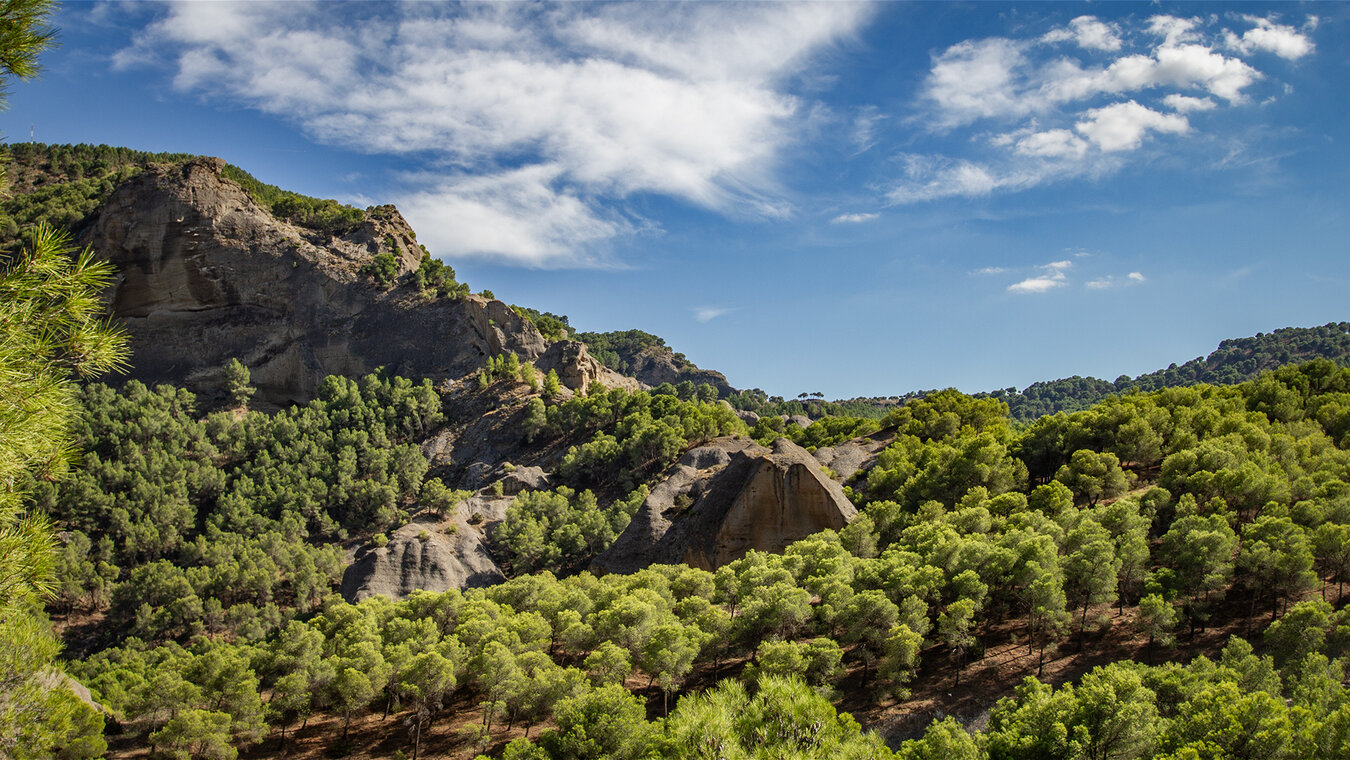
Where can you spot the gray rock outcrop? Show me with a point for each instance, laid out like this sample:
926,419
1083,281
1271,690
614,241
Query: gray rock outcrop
721,501
408,563
525,479
847,458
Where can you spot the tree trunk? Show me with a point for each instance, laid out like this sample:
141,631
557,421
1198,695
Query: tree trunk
1082,626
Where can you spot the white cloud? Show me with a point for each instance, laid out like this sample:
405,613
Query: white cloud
990,270
979,79
1173,30
1035,115
1186,104
854,218
560,110
707,314
1122,126
1110,281
1054,143
520,217
1039,284
1053,275
1088,32
865,128
1284,41
931,177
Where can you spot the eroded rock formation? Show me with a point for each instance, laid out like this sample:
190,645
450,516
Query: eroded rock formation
722,500
420,555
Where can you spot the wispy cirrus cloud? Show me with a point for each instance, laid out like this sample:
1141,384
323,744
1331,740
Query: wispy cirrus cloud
856,218
535,122
707,314
1111,281
1081,99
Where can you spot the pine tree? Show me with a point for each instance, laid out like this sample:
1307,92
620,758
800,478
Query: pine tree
49,334
237,383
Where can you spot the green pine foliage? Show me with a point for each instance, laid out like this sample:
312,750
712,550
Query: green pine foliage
618,348
61,185
437,279
382,269
632,436
551,326
973,526
318,214
1234,361
560,529
225,524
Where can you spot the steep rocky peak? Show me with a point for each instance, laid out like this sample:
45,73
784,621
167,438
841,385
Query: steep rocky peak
206,274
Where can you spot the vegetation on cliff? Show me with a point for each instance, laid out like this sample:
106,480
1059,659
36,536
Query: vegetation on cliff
62,185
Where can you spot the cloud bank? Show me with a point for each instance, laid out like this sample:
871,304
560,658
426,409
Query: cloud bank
1080,100
534,122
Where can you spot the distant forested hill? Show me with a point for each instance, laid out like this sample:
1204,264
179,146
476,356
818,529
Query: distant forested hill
1234,361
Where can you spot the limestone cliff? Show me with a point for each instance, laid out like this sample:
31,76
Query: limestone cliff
206,274
722,500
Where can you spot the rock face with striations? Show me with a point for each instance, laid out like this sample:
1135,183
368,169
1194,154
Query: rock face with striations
722,500
654,365
206,274
409,563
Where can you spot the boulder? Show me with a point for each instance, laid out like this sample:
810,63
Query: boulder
408,563
758,499
525,479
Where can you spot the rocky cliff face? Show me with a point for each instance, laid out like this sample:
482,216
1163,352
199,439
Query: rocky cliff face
725,499
657,364
205,274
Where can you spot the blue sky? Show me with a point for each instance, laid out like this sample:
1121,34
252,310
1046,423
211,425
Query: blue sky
847,198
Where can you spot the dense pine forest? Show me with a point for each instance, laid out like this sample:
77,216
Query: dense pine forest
200,554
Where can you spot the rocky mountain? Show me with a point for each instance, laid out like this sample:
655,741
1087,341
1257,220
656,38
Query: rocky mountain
206,274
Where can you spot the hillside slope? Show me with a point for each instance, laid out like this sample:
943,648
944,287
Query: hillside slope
1234,361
